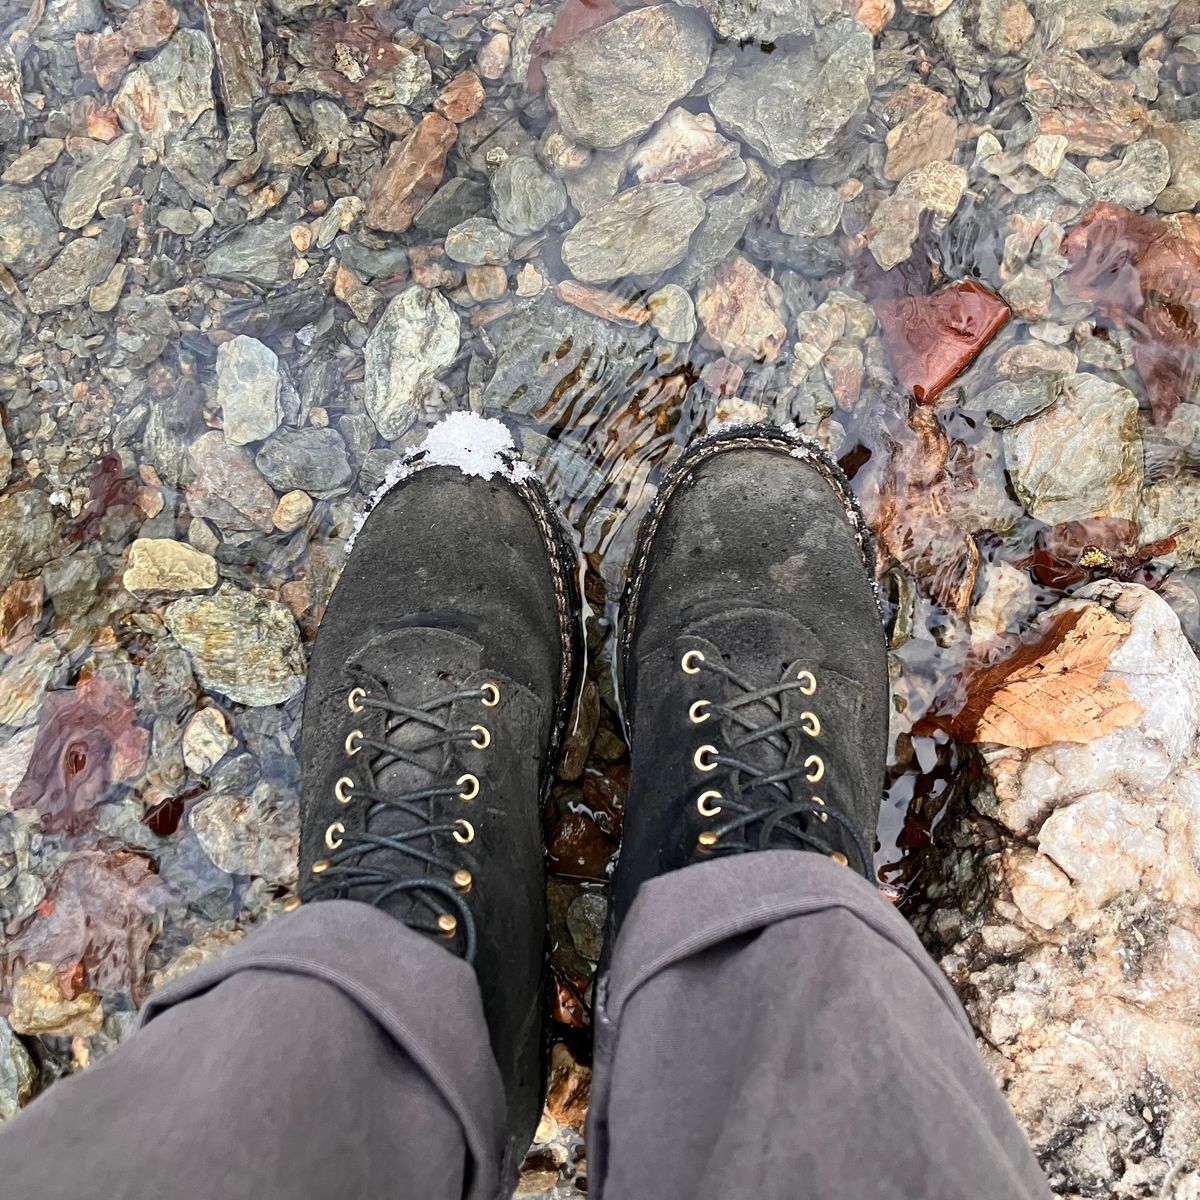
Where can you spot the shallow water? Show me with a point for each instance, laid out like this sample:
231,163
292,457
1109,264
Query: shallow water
138,837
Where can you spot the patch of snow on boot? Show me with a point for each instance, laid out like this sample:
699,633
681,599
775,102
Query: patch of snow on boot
480,446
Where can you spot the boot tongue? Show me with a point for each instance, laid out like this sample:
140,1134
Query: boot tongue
758,645
412,666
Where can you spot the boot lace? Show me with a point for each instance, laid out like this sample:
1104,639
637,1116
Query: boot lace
759,803
379,864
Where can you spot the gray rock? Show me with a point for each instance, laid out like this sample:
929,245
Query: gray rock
27,535
259,254
555,356
278,140
226,487
1172,506
169,93
10,334
586,919
18,1076
672,313
99,179
237,40
371,264
478,242
28,230
72,584
1137,180
255,834
248,390
72,16
615,81
527,198
758,20
725,224
1013,400
807,210
1060,476
450,205
243,646
66,280
25,168
417,336
600,180
311,460
791,105
642,231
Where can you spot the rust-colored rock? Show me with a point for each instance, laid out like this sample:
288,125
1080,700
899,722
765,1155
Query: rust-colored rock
103,56
20,612
102,122
604,304
1143,278
87,741
741,311
931,340
149,26
410,175
461,98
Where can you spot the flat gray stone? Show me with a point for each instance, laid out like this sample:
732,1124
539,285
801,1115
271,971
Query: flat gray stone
1059,475
450,205
242,645
478,242
66,280
99,179
259,254
167,94
28,230
1137,180
791,105
226,487
758,20
807,210
643,231
527,197
248,390
417,336
615,81
309,460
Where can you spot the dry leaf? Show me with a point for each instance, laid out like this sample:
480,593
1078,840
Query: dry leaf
1050,690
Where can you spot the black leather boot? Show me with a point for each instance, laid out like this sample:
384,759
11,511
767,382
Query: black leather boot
754,664
438,691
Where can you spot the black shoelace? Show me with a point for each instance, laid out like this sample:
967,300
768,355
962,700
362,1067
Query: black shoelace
378,866
767,806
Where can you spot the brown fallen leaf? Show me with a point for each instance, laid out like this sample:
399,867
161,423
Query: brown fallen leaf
1050,689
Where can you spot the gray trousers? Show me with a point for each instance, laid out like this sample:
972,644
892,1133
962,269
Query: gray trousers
770,1028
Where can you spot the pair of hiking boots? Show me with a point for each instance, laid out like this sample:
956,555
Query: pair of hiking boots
441,682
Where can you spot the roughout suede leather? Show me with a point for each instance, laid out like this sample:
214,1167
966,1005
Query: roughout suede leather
757,558
454,582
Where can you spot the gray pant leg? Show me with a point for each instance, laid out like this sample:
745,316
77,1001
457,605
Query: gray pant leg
772,1028
334,1054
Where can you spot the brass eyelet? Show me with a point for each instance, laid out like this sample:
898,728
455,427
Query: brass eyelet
354,697
816,768
464,839
470,782
839,858
696,713
320,866
336,827
343,788
292,903
447,925
703,807
484,740
703,764
811,681
692,656
823,815
354,741
810,724
462,881
494,691
707,840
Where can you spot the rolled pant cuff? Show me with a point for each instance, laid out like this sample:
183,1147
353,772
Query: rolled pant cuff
425,998
682,913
